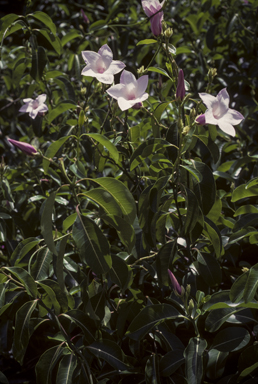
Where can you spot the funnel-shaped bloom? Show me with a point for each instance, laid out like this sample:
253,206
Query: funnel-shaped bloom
218,112
175,283
151,7
34,107
24,147
85,17
180,91
130,92
101,65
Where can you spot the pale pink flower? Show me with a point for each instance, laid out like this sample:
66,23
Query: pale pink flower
219,113
101,65
130,92
34,107
24,147
151,7
180,91
175,283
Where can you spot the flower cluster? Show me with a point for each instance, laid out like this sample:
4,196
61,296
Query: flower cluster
130,92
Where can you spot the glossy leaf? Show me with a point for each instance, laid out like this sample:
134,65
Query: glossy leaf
217,317
194,360
47,362
209,269
110,352
216,363
46,222
45,19
92,244
52,150
149,317
61,108
25,278
106,143
120,273
23,330
171,361
52,39
40,269
231,339
66,369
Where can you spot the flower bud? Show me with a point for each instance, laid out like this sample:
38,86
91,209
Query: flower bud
84,16
186,130
168,33
24,147
180,91
190,306
211,74
175,284
141,70
83,90
200,119
137,105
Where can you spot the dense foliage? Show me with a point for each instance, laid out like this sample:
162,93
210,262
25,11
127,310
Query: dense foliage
129,240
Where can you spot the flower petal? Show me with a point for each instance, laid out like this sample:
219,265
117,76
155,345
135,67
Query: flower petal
27,100
116,91
25,108
41,98
125,104
142,84
200,119
207,99
223,97
151,6
233,117
88,71
128,78
33,113
156,24
142,98
105,78
115,67
209,118
42,108
226,127
90,57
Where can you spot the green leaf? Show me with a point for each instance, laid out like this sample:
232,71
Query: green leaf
148,318
46,222
52,39
251,284
213,233
124,230
66,369
159,70
23,330
121,194
105,200
71,35
164,257
92,244
241,192
40,269
83,321
216,364
106,143
110,352
61,108
152,374
231,339
51,296
238,287
25,278
22,249
39,60
171,361
6,22
194,360
205,190
46,363
217,317
146,42
59,294
244,209
120,273
45,19
60,264
52,150
68,222
194,172
66,87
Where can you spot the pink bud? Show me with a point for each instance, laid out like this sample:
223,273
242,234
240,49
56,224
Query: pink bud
180,91
200,119
24,147
137,105
174,282
84,16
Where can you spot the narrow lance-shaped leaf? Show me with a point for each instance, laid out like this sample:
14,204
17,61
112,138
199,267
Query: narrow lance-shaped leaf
251,284
25,278
110,352
106,143
40,269
47,362
93,245
231,339
23,330
149,317
66,369
46,222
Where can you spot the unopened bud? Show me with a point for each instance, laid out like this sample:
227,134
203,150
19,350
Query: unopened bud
186,130
192,115
244,269
141,70
190,306
81,118
188,289
168,33
180,124
83,90
164,26
211,74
